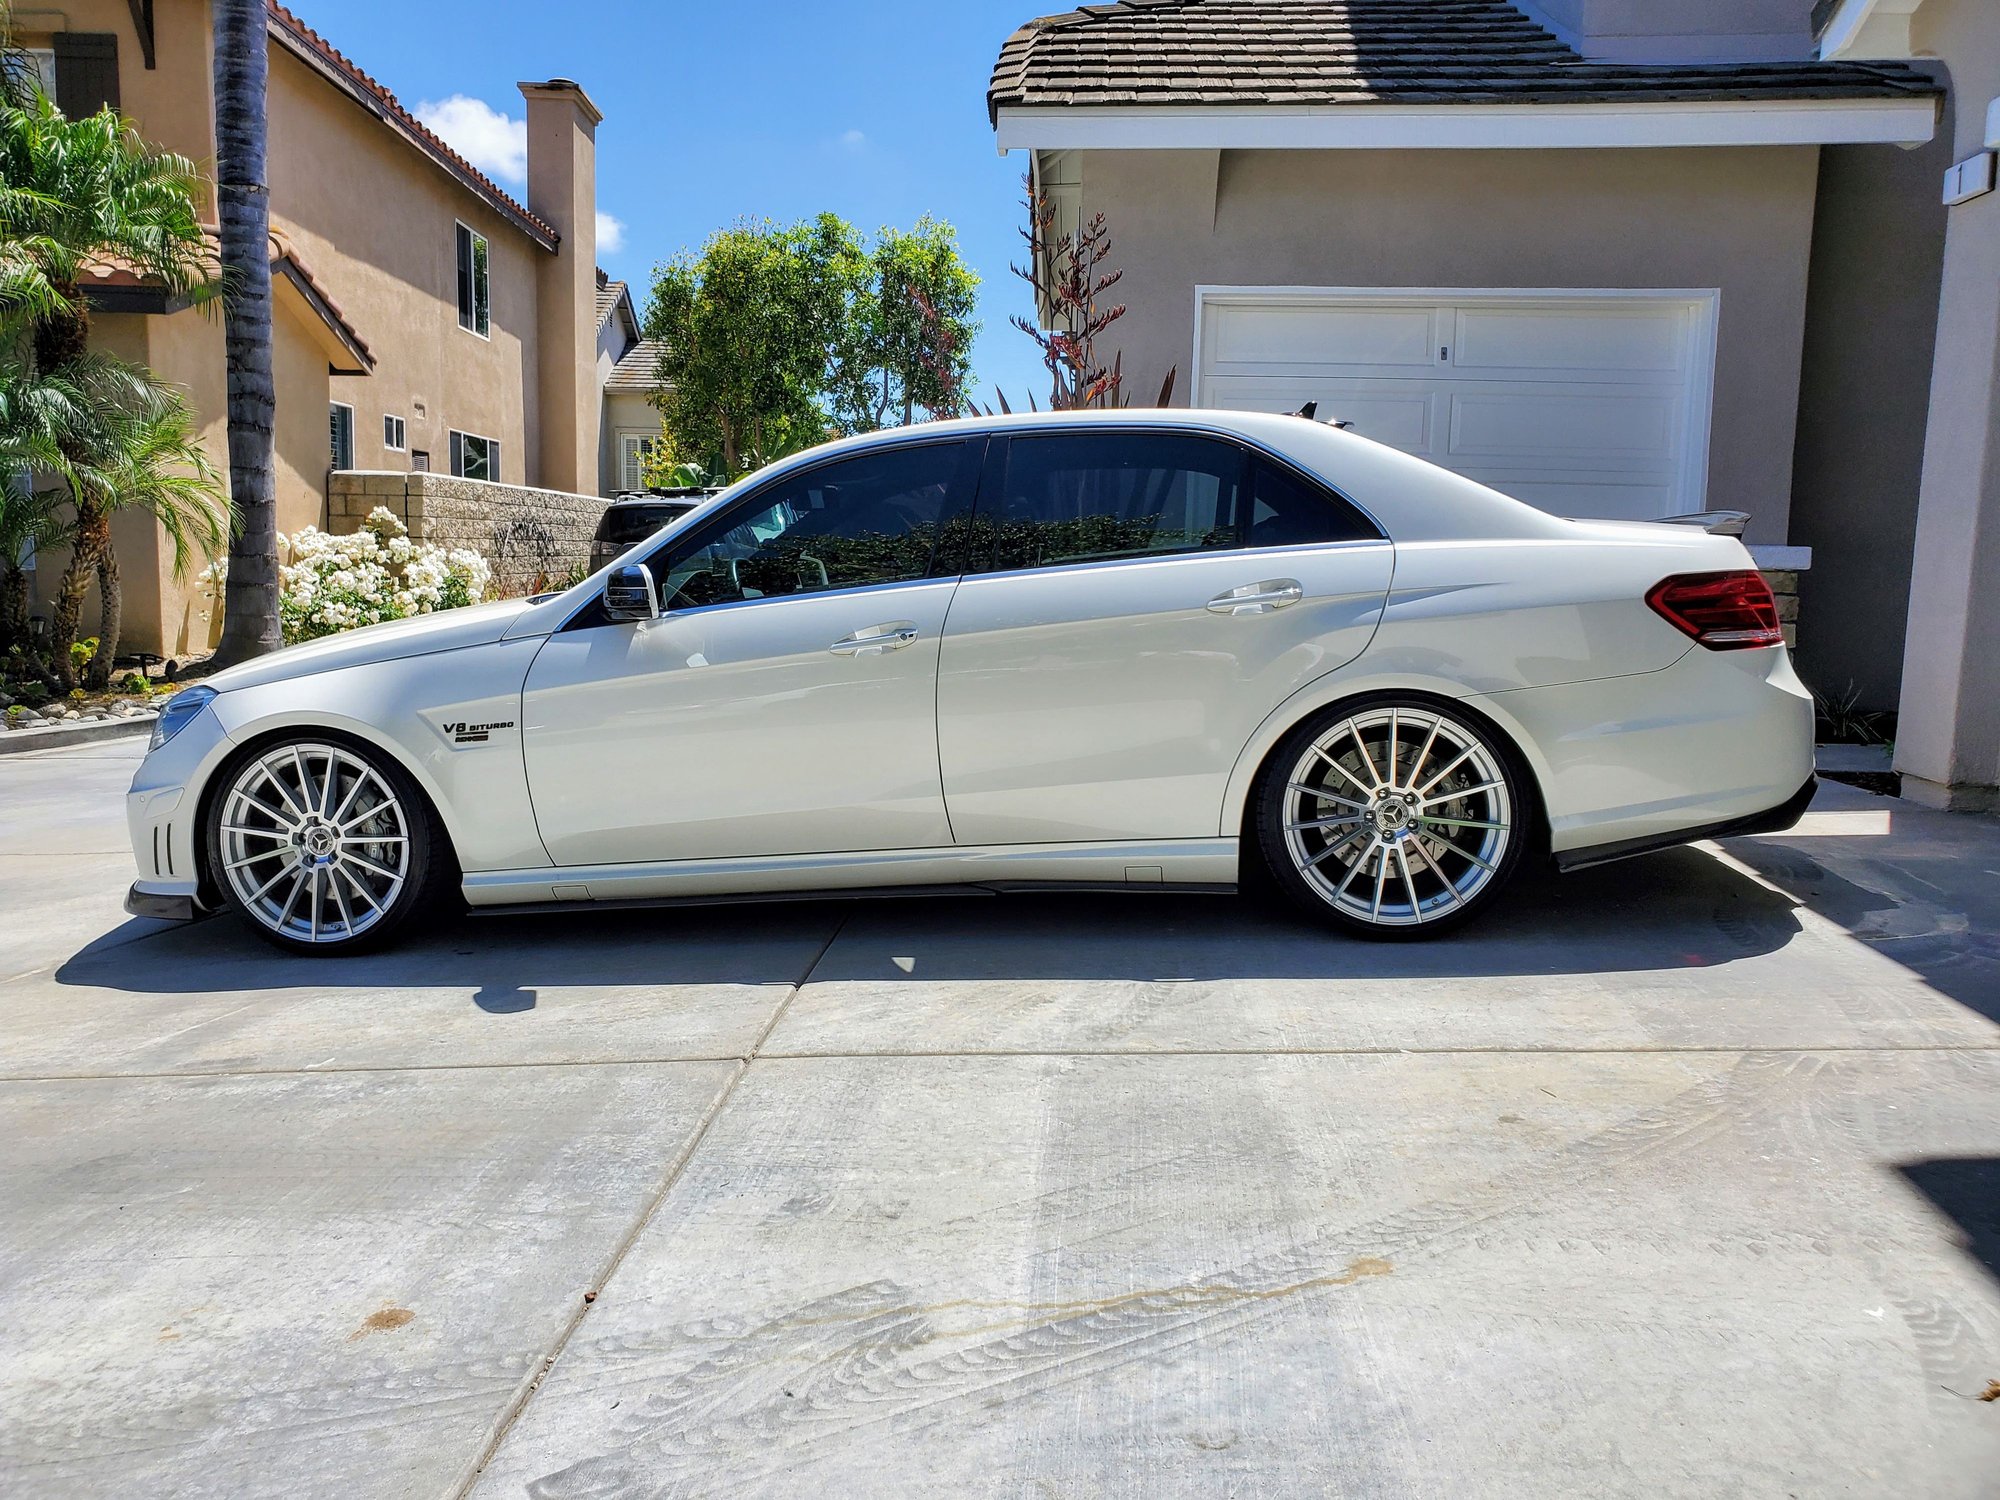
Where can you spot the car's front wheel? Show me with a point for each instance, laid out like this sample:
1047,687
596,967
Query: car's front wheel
1392,818
323,845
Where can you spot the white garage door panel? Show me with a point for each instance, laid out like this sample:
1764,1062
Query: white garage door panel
1248,338
1590,404
1403,415
1564,427
1496,341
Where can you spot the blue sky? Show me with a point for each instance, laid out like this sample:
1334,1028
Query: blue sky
874,109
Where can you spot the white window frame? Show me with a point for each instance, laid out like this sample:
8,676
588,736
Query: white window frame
395,433
473,313
1692,494
456,443
333,458
633,480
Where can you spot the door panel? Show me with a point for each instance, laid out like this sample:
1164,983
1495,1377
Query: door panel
738,730
1109,701
1088,690
785,702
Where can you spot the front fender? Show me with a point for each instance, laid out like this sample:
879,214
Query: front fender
451,719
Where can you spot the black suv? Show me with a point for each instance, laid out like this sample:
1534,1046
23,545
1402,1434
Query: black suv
631,518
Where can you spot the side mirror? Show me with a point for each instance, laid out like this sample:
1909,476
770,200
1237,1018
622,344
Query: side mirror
628,594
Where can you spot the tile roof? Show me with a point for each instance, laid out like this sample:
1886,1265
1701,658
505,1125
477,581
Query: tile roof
609,294
635,371
1319,52
320,54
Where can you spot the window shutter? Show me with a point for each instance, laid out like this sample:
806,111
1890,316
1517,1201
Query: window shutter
86,72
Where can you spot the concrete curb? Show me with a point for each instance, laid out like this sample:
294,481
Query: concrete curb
19,741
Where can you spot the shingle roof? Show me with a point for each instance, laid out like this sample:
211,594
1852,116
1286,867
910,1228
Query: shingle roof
635,371
1317,52
321,55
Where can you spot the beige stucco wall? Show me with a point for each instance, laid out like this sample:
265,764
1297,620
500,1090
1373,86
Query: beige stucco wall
1737,219
373,218
1948,736
623,412
1864,401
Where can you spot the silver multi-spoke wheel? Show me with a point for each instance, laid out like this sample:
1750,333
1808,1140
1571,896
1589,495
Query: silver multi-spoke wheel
1398,816
314,842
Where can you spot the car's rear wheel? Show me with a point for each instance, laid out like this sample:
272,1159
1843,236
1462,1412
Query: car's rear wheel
1392,818
323,846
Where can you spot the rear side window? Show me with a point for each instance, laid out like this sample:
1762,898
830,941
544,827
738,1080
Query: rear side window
1107,496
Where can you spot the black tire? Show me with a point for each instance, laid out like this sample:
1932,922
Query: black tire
391,829
1375,852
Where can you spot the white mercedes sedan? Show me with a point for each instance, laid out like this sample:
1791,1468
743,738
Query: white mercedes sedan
1106,650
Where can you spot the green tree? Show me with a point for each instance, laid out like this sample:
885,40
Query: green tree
749,329
74,193
907,343
250,622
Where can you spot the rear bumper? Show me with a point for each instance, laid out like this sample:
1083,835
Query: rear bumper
1772,820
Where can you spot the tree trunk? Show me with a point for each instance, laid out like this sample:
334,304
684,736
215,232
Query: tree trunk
13,604
93,543
111,610
242,57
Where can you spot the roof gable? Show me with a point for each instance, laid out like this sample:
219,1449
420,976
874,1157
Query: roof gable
317,53
1193,53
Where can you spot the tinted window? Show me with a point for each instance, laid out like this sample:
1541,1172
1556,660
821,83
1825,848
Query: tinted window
869,519
1095,497
626,524
1288,510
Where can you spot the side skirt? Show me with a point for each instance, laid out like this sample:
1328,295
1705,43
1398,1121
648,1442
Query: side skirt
1181,865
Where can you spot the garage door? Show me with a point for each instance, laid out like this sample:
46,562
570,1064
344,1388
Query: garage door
1585,405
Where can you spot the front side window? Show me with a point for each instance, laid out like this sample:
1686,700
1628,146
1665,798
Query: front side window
474,457
1109,496
341,420
870,519
474,293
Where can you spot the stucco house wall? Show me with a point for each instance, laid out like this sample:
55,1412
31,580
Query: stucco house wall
1737,219
1948,738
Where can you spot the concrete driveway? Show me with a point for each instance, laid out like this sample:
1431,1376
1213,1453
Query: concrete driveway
1680,1178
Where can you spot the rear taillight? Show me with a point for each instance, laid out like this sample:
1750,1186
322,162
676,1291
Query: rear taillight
1723,611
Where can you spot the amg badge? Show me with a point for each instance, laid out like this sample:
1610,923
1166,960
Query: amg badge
475,734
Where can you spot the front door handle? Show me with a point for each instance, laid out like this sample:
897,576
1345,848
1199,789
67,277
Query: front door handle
876,639
1258,598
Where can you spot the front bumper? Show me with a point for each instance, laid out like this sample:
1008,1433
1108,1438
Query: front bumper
162,906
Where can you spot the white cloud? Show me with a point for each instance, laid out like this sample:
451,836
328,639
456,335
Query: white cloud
495,143
853,140
610,233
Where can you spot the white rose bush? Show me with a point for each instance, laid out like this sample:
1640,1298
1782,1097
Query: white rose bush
332,583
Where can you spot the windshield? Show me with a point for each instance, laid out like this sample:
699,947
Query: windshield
626,524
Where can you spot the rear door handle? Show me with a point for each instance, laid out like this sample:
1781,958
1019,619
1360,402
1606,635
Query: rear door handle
876,639
1258,598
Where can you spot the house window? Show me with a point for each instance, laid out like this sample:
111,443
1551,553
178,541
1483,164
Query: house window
393,434
475,457
341,419
474,294
634,448
420,461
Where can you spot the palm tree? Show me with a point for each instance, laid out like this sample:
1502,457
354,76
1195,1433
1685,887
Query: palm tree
74,193
250,625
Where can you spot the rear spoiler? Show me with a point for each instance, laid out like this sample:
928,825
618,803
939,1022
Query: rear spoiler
1714,522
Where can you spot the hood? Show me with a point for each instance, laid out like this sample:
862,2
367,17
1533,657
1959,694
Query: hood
447,630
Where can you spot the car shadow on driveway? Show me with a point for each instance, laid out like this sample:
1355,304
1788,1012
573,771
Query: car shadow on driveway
1675,910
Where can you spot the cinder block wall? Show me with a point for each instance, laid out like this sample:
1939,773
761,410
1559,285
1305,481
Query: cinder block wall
531,537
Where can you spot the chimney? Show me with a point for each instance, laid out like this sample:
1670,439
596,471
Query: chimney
562,193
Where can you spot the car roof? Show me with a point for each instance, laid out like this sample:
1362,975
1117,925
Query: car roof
1410,498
